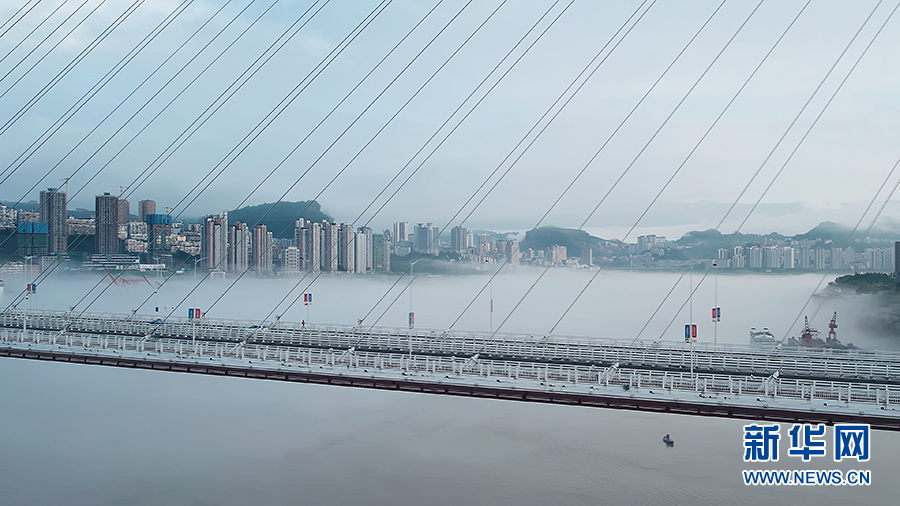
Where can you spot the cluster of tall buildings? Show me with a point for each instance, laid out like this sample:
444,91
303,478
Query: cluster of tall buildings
314,247
421,238
46,232
332,247
218,245
772,257
235,248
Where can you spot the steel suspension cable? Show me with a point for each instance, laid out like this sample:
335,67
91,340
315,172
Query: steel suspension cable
584,169
146,102
177,95
850,236
122,102
10,27
132,187
39,25
463,119
49,51
522,141
329,114
380,130
437,131
71,65
805,135
236,85
332,55
667,183
387,292
221,53
41,43
53,128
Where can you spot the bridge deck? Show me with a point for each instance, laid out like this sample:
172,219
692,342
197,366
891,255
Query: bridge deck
821,364
708,394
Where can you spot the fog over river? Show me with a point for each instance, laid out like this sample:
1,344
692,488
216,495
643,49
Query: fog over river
74,434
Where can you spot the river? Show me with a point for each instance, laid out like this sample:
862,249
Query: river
75,434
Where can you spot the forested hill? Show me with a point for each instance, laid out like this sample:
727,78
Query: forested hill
280,220
574,240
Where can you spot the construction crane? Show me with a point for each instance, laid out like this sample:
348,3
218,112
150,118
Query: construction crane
66,182
808,334
120,187
832,325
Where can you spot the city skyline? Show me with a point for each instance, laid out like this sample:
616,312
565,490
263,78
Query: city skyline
795,203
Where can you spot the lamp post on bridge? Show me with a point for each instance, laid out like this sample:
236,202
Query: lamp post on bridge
412,317
196,261
194,321
691,318
28,292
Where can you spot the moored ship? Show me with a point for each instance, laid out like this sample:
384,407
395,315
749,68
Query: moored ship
762,338
809,338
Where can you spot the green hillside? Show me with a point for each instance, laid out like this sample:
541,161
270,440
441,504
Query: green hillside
574,240
280,219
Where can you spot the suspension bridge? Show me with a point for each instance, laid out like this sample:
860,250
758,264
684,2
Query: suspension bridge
710,380
816,386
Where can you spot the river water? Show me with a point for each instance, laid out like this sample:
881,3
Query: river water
72,434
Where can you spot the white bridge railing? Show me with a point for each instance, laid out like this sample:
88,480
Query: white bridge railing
499,372
734,359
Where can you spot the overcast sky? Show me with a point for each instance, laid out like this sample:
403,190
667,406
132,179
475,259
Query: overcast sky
833,176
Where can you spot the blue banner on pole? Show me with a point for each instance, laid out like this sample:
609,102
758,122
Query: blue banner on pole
687,333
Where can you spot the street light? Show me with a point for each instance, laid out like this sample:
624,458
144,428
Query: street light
411,279
194,303
194,300
27,296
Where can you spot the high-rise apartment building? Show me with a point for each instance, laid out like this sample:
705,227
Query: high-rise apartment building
787,257
159,227
821,259
106,228
369,236
896,256
401,231
381,254
557,254
53,213
146,207
238,247
362,254
309,242
124,212
261,244
291,260
330,249
458,239
426,239
214,242
346,248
